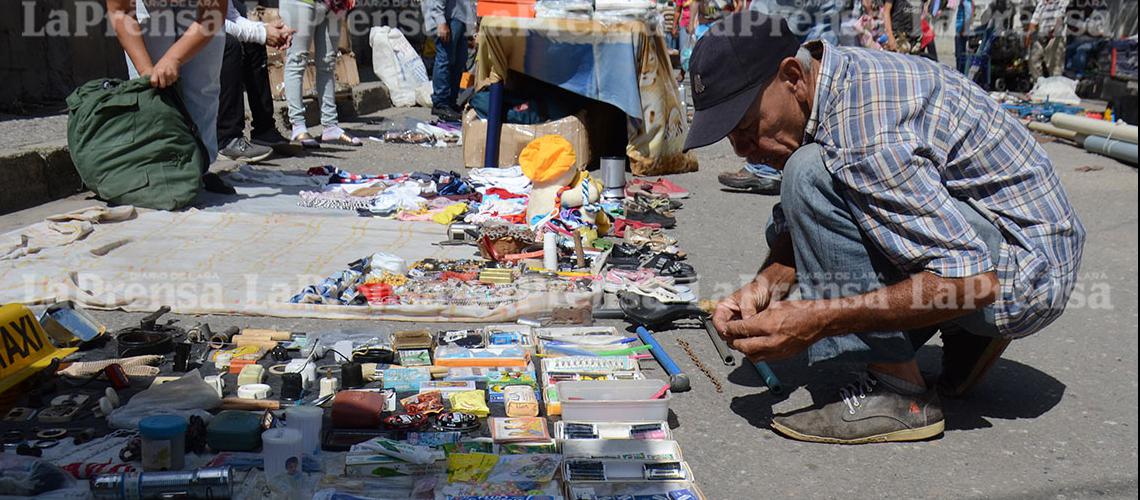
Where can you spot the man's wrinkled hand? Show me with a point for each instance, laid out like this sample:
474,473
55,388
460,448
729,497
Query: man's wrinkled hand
743,304
782,330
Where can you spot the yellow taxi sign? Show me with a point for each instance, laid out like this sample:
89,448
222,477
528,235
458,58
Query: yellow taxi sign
24,347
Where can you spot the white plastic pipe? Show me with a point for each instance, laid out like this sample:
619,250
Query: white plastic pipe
1089,126
1120,150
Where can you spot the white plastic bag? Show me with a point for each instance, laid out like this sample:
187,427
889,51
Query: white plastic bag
1055,89
189,395
29,477
397,64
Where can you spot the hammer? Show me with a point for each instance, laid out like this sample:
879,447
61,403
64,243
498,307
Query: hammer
678,381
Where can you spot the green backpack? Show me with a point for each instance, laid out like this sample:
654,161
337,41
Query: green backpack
135,145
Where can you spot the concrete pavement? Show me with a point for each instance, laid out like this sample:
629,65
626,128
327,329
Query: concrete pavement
1057,417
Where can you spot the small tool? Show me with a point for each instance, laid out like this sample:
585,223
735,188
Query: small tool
769,377
678,381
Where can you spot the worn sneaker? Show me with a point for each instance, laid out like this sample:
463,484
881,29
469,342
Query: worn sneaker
868,412
269,138
241,150
747,181
446,114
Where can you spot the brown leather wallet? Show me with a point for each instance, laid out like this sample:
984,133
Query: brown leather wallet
357,409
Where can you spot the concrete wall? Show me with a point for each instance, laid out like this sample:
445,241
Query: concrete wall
38,70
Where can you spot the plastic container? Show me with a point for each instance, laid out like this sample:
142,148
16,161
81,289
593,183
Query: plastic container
281,450
163,442
613,400
308,420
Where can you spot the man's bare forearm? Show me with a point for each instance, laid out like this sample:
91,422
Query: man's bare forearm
120,13
211,19
922,300
778,274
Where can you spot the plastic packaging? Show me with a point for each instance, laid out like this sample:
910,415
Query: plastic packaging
187,396
29,477
163,442
613,400
398,65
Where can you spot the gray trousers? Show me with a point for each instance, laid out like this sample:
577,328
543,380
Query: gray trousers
317,25
834,259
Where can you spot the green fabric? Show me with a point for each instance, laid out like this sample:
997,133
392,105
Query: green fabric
133,144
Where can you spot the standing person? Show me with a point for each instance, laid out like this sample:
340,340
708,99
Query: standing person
244,67
686,29
899,24
450,22
316,22
171,42
1045,38
963,29
898,219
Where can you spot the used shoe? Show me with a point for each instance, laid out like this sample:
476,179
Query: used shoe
868,412
446,114
213,183
269,138
747,181
241,150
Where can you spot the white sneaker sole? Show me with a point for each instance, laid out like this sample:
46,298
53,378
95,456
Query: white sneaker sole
253,159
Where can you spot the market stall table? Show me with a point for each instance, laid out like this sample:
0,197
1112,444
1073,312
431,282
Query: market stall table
624,64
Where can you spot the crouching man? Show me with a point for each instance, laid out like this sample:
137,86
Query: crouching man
912,204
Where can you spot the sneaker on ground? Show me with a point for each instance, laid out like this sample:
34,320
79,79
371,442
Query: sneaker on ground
269,138
446,114
868,412
241,150
748,181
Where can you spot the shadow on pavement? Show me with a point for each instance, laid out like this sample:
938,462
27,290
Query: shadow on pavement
1010,391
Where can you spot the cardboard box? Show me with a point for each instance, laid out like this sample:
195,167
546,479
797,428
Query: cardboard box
515,137
346,71
504,9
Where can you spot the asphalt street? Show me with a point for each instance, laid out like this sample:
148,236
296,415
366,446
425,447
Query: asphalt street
1056,417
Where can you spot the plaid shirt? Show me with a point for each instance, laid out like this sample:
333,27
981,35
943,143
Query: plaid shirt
904,137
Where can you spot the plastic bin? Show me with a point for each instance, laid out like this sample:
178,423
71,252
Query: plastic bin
613,400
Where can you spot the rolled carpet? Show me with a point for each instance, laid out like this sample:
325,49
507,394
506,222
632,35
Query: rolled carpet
1090,127
1120,150
1052,130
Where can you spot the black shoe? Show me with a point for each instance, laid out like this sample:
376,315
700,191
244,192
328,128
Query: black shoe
241,150
748,181
650,217
269,138
213,183
446,114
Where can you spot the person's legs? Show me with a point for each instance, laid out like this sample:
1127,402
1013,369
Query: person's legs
231,106
1055,56
255,79
458,59
300,16
446,60
1036,60
961,57
325,40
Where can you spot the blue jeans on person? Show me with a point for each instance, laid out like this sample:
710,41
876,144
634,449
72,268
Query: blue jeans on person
450,60
762,170
317,24
833,259
961,56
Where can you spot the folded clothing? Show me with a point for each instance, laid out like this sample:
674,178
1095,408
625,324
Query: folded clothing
510,179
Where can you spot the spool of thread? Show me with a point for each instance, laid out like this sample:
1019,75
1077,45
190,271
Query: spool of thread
328,387
117,376
253,391
550,251
351,375
291,386
308,420
182,356
281,451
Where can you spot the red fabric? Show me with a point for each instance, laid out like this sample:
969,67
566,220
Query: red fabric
927,35
504,194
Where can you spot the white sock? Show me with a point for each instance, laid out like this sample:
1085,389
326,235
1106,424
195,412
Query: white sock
333,132
298,130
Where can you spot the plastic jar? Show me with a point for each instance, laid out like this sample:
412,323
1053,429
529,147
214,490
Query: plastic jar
163,442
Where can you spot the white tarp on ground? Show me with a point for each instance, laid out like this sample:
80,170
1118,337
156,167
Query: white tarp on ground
209,262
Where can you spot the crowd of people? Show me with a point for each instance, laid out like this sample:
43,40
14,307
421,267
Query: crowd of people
900,26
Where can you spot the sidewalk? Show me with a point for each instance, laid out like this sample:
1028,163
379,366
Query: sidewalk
34,157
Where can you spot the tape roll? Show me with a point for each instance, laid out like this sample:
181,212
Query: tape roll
253,391
55,433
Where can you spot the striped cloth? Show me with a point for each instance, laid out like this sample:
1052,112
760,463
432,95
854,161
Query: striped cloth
904,137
